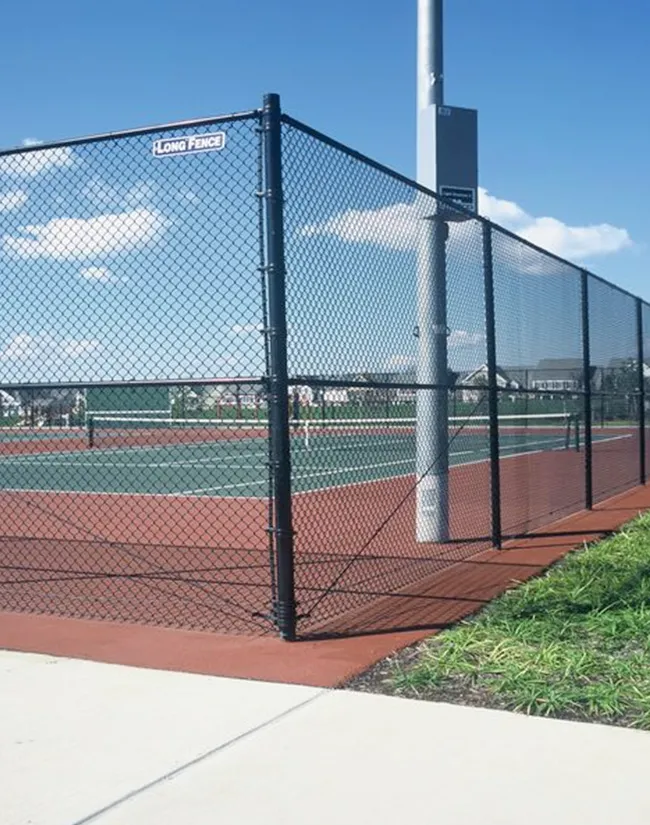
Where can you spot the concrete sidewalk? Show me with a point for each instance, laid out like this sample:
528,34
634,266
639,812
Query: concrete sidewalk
87,742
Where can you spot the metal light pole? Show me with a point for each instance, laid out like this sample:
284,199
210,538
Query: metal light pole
432,443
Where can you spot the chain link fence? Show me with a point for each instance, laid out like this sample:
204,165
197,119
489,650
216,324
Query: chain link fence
253,381
133,439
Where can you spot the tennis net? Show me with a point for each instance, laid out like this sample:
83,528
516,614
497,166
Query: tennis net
546,431
142,431
553,431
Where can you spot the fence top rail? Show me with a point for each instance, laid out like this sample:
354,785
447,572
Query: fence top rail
380,167
144,130
166,382
618,288
344,383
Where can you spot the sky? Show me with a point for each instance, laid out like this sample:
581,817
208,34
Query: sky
563,161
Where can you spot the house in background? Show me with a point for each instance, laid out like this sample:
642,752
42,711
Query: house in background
479,379
336,396
10,407
556,374
550,376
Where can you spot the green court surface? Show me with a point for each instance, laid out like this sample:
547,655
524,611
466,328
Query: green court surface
13,434
238,466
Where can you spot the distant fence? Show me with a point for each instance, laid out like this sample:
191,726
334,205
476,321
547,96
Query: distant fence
211,386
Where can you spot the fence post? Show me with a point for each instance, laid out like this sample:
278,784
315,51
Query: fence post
493,396
278,400
586,372
641,396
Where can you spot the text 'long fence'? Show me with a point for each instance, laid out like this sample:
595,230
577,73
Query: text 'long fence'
253,381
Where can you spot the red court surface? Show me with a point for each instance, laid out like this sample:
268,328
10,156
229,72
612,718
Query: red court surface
426,607
202,562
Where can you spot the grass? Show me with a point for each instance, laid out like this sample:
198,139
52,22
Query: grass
574,643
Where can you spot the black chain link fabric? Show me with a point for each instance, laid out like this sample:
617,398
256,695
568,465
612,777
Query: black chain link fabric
145,447
132,259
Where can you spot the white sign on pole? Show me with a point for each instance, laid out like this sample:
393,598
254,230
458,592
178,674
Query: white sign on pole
462,195
188,144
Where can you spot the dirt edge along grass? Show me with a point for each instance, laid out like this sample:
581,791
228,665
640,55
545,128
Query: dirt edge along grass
573,643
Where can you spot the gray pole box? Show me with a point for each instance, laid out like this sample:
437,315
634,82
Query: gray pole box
451,170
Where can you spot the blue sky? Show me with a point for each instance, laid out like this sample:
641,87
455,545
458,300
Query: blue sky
560,88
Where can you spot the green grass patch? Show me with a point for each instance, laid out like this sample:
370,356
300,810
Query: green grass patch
573,643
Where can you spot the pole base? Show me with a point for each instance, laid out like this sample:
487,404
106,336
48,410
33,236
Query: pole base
432,507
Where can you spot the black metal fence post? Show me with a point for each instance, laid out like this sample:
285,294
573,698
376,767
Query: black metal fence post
493,397
278,400
641,394
586,372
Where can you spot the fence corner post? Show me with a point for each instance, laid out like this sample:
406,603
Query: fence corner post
493,395
586,372
641,389
278,381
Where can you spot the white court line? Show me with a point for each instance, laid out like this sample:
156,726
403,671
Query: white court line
130,449
40,458
113,493
126,465
338,471
37,460
359,483
408,475
262,453
531,444
596,441
223,487
302,477
192,493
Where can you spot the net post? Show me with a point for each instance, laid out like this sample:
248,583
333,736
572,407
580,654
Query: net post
641,388
493,397
586,379
278,381
90,425
567,432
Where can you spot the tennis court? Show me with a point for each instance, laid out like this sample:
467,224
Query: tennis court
10,435
207,458
167,522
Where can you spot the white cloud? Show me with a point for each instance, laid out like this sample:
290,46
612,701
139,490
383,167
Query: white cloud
246,329
396,362
228,361
463,338
97,273
100,193
72,238
505,213
21,346
25,347
81,347
396,227
572,242
105,195
393,226
188,195
576,242
141,192
457,339
31,164
12,200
